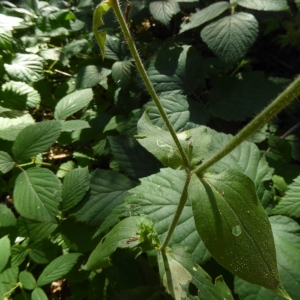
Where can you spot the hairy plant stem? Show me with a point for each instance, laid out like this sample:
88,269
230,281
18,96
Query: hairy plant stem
288,95
180,207
117,10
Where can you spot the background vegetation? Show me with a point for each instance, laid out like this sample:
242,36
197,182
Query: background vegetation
72,169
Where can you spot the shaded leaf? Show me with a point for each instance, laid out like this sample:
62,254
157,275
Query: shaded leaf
43,251
230,37
121,72
58,268
108,190
5,252
6,162
204,15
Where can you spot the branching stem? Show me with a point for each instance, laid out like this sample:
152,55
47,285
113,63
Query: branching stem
117,9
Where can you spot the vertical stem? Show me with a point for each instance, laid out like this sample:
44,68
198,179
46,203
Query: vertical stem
178,212
287,96
116,7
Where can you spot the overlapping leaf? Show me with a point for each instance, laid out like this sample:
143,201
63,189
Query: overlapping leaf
204,15
275,5
230,37
121,72
163,10
6,162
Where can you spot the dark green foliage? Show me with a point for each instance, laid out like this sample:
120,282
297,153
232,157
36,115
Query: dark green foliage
91,178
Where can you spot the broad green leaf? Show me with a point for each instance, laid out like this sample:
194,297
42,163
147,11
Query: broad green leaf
177,271
90,76
5,252
35,230
35,139
287,241
37,194
164,10
18,255
6,162
100,10
246,158
8,279
5,39
25,67
43,251
54,54
12,123
290,203
230,37
108,190
19,96
58,268
74,125
176,107
157,197
121,73
124,235
8,221
65,168
235,228
160,143
238,98
72,103
133,159
76,183
27,280
38,294
205,15
175,68
275,5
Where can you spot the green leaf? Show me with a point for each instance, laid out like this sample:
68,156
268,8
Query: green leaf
280,147
19,96
72,103
235,228
5,252
115,48
34,229
100,10
164,10
8,222
54,54
37,194
8,279
238,98
5,39
108,190
287,241
91,75
65,168
230,37
12,123
6,162
38,294
161,144
43,251
176,107
178,271
157,197
205,15
74,125
9,22
18,255
133,159
25,67
274,5
58,268
290,204
76,184
175,68
35,139
27,280
121,72
123,235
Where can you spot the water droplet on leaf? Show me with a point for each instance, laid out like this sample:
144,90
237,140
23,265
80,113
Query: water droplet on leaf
236,230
